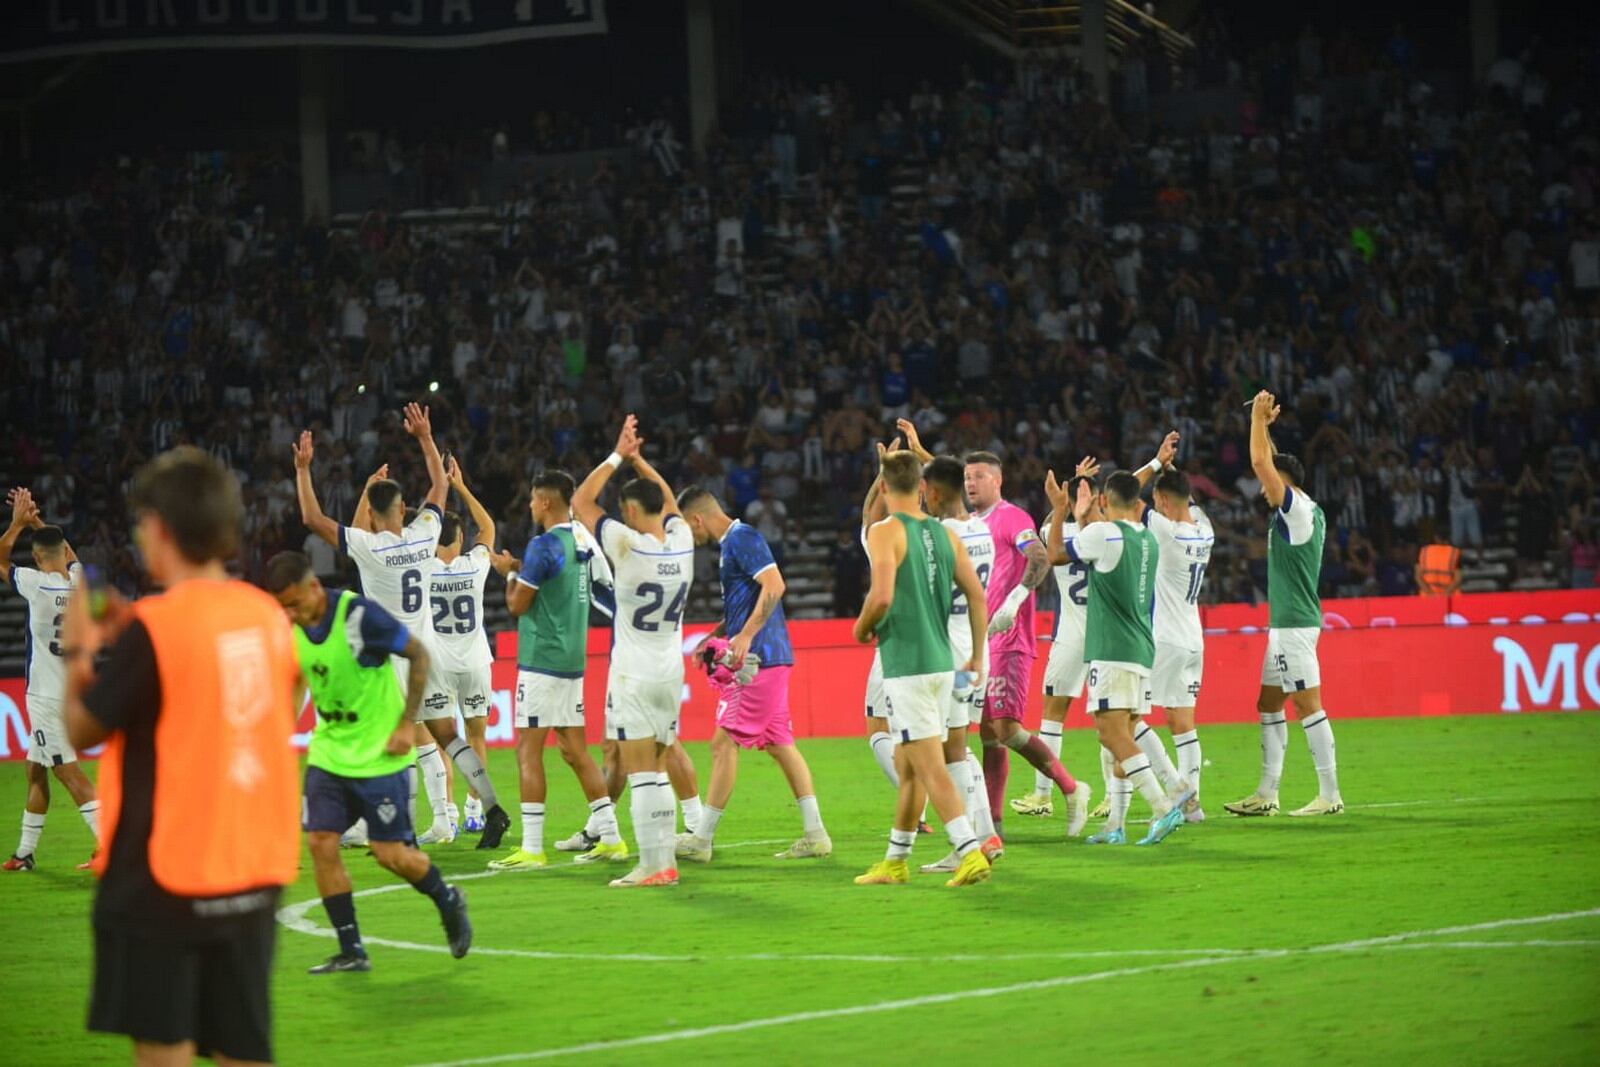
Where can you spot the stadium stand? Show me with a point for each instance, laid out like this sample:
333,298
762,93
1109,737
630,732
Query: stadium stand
1414,266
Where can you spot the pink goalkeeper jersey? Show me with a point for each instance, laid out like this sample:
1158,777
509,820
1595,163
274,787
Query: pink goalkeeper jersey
1012,530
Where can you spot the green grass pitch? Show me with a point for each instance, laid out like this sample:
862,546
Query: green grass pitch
1389,935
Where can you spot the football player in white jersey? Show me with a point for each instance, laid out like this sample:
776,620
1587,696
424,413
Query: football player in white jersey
652,558
1184,535
876,703
45,587
459,656
393,559
1065,670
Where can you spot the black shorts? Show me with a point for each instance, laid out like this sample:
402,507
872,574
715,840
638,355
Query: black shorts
208,984
332,803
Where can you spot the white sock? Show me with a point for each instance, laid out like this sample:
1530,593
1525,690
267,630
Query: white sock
434,782
1149,742
978,799
1120,792
411,795
810,815
91,810
1050,734
603,821
1274,742
883,751
641,803
1319,735
666,820
473,770
533,828
1108,768
1137,769
692,814
961,778
962,839
708,821
900,842
32,827
474,808
1186,747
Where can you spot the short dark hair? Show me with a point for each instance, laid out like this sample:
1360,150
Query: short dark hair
647,494
1122,488
449,528
901,472
984,457
382,494
48,539
694,497
557,482
1072,490
945,472
286,569
1174,482
1290,465
196,497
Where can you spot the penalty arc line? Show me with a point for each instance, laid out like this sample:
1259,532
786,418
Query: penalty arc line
666,1037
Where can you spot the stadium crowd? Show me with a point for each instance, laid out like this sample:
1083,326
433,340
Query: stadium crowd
1001,259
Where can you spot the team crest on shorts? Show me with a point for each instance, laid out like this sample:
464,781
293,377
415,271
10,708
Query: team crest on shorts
387,812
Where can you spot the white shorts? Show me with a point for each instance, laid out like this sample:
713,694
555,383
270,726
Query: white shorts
545,701
1175,678
1113,687
1291,662
47,737
447,690
877,701
918,704
1065,670
639,710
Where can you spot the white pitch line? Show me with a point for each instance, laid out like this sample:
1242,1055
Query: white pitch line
296,917
996,991
1429,803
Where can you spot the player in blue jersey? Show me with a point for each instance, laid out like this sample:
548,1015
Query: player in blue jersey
752,676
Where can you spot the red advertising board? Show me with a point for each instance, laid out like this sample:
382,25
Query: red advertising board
1493,652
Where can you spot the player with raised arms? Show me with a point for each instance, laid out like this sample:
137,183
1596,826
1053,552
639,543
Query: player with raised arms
943,482
1184,535
1122,556
1294,622
360,752
460,656
652,556
753,711
915,562
1065,669
1020,566
549,594
45,588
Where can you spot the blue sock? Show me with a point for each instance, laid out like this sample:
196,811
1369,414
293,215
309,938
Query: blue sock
341,909
432,885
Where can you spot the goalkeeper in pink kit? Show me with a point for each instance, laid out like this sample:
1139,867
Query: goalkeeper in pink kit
1021,566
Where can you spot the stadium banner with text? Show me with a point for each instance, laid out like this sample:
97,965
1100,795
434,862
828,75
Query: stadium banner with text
39,29
1399,656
